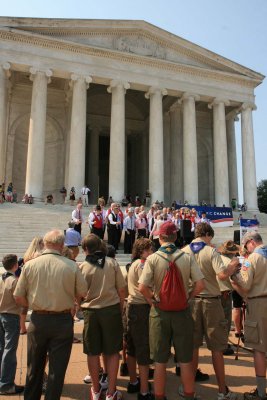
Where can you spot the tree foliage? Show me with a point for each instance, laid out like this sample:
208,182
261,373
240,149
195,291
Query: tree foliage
262,195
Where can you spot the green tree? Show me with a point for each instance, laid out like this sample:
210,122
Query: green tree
262,195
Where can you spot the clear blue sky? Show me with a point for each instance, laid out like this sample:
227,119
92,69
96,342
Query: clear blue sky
235,29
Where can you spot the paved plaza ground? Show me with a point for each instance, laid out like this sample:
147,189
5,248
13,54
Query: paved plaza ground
240,373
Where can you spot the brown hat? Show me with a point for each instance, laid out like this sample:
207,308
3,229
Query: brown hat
167,228
229,247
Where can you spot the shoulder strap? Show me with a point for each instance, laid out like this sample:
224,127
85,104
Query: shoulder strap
167,259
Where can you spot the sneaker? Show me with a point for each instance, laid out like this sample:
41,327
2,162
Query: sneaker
253,395
124,369
181,393
148,396
228,351
227,396
116,396
87,379
133,387
104,381
15,389
94,395
201,377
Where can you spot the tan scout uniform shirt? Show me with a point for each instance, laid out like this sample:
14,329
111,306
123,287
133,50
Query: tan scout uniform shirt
210,263
7,301
50,282
102,284
224,285
253,275
155,269
135,271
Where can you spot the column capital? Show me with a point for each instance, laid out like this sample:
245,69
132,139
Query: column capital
35,71
6,67
154,90
188,95
248,105
115,83
232,115
75,78
175,106
218,100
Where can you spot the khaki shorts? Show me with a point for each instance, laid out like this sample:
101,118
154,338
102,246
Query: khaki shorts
167,328
102,332
256,324
210,323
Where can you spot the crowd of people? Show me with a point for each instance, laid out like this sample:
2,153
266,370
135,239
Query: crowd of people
142,306
8,193
136,222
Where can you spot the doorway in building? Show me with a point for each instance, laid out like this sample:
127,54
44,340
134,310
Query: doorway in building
103,166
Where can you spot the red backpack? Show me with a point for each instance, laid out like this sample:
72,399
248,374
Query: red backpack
172,294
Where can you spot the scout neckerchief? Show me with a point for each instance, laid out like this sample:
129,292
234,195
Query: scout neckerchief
97,259
262,251
197,246
6,275
169,248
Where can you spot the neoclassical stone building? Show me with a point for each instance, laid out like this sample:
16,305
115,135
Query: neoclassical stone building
122,106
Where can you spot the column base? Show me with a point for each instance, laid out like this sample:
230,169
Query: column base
38,200
253,210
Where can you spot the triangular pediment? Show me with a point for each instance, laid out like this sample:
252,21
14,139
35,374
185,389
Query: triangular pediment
138,38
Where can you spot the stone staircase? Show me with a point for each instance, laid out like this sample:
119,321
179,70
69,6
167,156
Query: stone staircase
19,223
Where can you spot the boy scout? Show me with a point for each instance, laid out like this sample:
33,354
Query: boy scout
207,308
181,323
102,309
9,327
252,283
49,285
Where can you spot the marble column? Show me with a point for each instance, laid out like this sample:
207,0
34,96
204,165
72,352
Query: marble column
4,75
190,166
68,105
117,140
94,163
176,153
156,157
221,181
232,160
76,178
167,157
248,157
143,144
37,129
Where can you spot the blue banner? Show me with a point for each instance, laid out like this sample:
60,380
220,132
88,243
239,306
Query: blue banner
218,216
249,223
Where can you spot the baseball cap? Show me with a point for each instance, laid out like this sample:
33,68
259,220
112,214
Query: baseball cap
167,228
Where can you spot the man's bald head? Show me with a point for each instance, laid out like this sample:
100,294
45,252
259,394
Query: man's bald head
54,240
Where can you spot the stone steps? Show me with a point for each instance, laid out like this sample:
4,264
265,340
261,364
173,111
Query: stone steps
19,223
